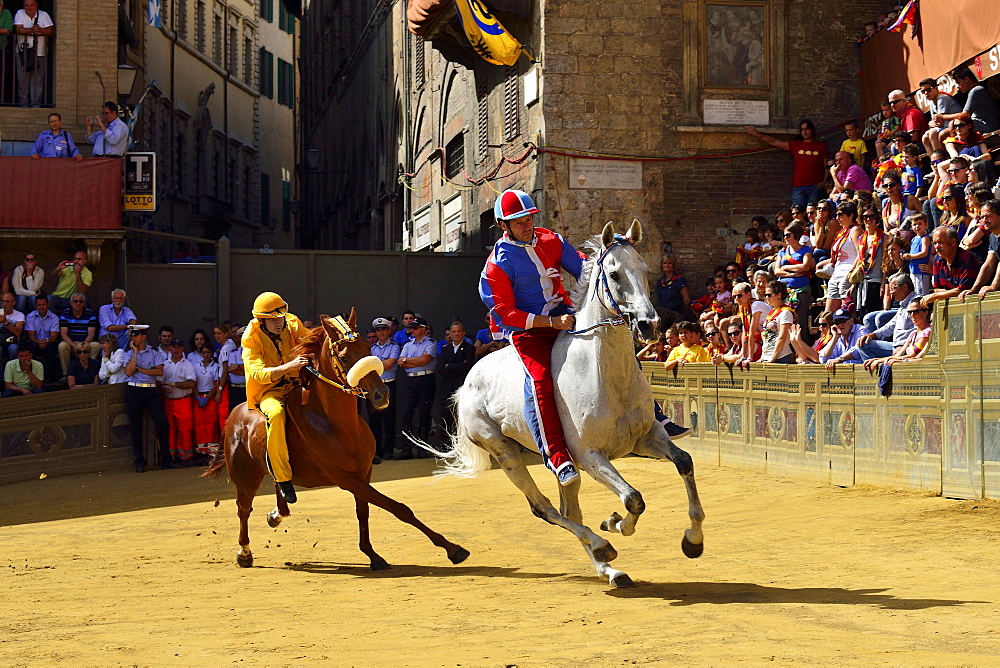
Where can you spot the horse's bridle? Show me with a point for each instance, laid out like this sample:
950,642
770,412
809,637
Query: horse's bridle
601,281
347,335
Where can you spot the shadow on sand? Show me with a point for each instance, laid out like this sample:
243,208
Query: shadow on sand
721,593
123,490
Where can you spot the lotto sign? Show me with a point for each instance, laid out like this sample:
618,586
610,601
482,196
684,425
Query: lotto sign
140,181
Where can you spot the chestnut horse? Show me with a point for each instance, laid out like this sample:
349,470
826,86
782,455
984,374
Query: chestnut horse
328,442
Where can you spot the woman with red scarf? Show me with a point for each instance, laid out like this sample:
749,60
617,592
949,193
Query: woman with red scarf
870,245
777,326
843,255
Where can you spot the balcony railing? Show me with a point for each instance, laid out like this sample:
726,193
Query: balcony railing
25,79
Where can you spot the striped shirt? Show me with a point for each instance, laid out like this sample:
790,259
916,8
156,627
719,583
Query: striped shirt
78,326
961,273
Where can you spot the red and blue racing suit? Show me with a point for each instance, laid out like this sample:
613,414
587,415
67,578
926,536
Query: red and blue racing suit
522,286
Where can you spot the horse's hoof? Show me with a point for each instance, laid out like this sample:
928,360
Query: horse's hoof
380,565
244,561
691,550
611,524
605,553
273,520
459,555
621,580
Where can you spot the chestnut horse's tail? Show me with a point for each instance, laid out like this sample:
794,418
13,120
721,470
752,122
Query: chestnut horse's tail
216,466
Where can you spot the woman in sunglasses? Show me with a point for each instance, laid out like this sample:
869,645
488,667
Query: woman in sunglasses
955,213
895,209
870,250
965,139
916,343
27,283
843,256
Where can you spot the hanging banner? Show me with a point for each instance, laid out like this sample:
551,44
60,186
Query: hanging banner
488,38
153,13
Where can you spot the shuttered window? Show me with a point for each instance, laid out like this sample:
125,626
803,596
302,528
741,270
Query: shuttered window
511,104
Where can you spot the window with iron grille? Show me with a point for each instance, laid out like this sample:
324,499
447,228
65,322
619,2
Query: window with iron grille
454,156
234,50
248,60
217,38
418,61
199,27
182,18
511,104
483,118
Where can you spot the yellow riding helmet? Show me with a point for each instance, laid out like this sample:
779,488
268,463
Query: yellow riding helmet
269,305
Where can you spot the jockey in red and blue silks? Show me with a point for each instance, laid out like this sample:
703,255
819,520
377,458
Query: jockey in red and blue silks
522,286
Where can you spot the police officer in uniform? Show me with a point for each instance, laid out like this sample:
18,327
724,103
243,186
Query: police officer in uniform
143,365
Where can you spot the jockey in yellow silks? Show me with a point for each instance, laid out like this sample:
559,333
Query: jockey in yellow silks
271,371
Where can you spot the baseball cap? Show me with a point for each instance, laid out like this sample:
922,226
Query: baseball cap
381,322
176,342
842,314
417,322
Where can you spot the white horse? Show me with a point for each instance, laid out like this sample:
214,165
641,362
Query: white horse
605,404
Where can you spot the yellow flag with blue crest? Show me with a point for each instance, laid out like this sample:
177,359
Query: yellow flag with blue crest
486,35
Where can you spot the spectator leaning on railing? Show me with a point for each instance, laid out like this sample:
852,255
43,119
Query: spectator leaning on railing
955,269
988,279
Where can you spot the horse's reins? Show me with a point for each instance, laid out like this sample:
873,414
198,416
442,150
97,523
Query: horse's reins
347,335
602,281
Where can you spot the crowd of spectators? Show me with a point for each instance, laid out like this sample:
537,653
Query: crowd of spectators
56,341
849,273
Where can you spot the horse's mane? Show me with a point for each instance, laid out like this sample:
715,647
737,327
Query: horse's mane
311,342
592,248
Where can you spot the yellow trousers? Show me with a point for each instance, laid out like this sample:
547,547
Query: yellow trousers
272,407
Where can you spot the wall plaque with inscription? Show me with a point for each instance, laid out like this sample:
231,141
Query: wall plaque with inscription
737,112
611,174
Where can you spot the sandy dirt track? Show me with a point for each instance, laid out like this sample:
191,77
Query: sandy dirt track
140,569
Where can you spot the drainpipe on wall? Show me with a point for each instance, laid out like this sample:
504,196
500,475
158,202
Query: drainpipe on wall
407,158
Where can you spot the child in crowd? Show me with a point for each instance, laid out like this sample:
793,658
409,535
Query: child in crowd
920,249
854,144
702,303
911,176
749,252
689,351
723,294
886,129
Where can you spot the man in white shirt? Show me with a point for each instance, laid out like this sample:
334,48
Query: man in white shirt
33,28
176,385
11,325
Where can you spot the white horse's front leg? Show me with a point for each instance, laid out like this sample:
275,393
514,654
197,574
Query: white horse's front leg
599,466
658,445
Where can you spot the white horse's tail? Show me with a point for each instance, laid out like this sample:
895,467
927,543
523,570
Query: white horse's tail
465,459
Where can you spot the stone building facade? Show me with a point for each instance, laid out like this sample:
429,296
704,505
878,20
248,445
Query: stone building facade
618,79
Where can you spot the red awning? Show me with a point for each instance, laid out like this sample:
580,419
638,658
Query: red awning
420,14
60,194
949,33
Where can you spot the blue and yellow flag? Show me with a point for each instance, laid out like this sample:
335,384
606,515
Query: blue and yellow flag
488,38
